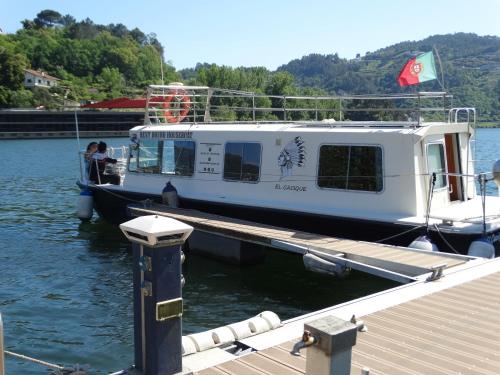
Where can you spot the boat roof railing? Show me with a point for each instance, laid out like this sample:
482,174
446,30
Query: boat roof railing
176,103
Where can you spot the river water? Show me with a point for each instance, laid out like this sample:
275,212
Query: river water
66,287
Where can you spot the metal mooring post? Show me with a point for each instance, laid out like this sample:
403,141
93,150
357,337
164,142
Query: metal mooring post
157,262
330,354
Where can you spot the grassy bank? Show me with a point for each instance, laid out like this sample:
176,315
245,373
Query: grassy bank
484,124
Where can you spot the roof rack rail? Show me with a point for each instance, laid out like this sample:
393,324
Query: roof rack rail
176,103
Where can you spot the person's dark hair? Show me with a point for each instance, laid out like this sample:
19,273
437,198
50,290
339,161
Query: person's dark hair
101,147
90,145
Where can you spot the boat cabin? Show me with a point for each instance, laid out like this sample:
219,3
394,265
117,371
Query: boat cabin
302,162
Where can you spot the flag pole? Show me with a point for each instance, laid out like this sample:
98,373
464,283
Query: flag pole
442,80
440,68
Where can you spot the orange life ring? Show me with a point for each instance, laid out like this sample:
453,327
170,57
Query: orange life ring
173,115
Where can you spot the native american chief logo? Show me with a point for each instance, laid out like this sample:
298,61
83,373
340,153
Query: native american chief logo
293,154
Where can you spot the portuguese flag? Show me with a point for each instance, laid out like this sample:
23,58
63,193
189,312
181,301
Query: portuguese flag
419,69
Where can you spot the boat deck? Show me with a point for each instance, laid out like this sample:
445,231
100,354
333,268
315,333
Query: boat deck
394,262
443,327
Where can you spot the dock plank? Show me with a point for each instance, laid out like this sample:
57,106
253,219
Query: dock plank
406,261
426,335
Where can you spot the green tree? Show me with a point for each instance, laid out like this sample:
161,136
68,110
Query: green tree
12,68
43,98
21,99
67,20
111,81
5,94
47,18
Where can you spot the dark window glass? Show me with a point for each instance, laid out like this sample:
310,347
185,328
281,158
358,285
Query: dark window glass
178,157
232,161
242,162
350,168
365,169
333,162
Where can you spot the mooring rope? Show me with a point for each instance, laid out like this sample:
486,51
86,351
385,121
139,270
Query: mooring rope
34,360
58,370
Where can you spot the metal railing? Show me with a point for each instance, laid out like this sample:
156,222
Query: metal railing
470,115
177,103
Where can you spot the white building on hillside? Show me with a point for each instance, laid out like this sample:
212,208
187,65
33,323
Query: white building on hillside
37,78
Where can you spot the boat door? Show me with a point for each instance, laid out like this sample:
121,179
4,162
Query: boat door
436,163
452,147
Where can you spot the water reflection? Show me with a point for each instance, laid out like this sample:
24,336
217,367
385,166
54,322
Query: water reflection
66,287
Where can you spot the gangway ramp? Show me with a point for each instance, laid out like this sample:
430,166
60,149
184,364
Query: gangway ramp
397,263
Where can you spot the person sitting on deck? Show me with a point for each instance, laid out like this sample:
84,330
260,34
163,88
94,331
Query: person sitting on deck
87,157
98,165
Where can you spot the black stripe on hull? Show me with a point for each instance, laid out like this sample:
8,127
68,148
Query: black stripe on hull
112,206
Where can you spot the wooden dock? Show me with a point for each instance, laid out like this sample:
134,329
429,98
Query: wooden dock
393,262
445,327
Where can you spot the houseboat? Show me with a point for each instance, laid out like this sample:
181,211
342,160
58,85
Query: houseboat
376,168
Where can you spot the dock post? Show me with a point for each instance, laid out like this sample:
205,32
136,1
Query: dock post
2,366
331,352
158,306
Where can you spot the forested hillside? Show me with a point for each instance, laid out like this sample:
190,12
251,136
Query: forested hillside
96,62
470,63
93,61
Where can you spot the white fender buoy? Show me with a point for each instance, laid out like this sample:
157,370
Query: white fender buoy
496,172
481,248
188,345
202,340
258,325
85,206
423,243
198,342
316,264
222,335
169,195
240,330
272,319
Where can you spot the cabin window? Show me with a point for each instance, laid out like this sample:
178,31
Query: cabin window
149,156
242,162
350,167
178,158
436,163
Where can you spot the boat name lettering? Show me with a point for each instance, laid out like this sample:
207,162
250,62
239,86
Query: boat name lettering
167,134
290,187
